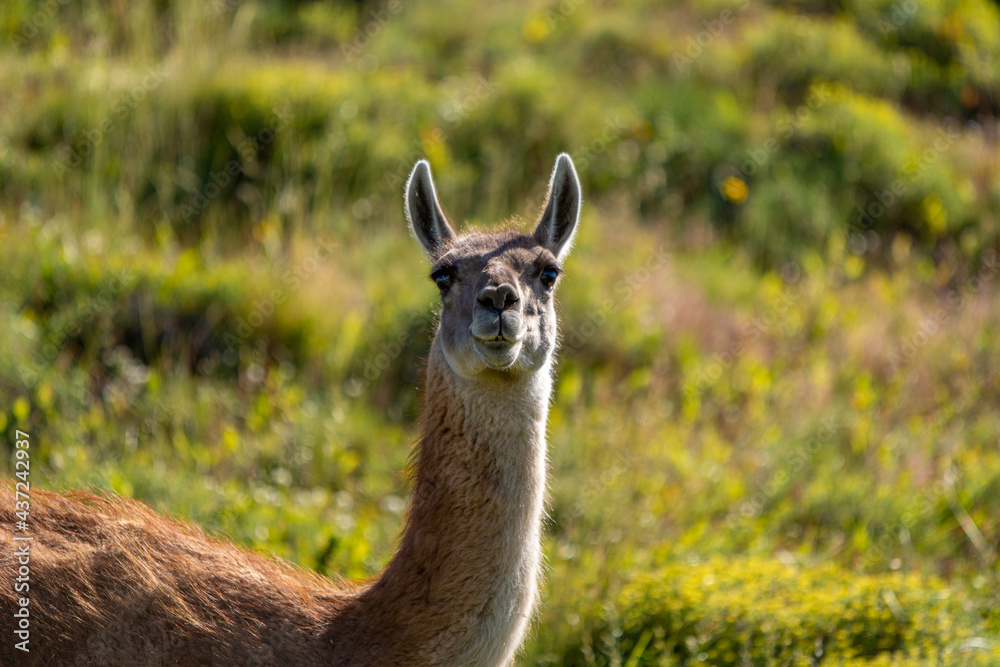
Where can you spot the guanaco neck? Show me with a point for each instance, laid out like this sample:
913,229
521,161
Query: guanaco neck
462,585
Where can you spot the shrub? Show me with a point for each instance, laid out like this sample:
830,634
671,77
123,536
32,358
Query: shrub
732,611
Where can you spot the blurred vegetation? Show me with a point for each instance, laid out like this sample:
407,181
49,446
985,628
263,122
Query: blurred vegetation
775,436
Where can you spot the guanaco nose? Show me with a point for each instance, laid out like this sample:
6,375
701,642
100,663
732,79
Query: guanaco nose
499,297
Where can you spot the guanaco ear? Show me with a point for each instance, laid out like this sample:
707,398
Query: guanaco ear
427,221
562,209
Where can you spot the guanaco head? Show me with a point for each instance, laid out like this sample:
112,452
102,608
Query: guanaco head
497,308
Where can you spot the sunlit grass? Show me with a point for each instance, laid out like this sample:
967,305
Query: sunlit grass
774,431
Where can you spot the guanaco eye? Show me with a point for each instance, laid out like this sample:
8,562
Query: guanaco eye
549,276
443,278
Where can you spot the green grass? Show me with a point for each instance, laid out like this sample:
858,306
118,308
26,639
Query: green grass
774,433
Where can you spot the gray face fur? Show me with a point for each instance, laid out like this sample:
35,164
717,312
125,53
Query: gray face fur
498,312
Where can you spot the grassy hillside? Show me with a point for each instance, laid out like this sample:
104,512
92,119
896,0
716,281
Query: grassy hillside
775,436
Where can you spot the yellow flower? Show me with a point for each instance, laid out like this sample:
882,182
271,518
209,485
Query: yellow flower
44,395
21,409
735,190
934,214
535,30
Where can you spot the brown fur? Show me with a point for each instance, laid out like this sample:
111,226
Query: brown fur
459,524
114,583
